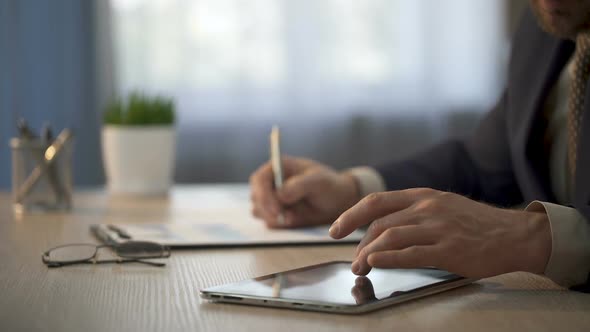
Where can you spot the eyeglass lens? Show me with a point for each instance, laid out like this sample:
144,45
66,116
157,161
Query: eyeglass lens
71,253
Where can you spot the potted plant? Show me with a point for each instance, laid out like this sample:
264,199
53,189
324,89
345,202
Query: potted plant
138,144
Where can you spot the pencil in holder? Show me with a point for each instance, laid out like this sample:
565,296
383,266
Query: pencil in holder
42,173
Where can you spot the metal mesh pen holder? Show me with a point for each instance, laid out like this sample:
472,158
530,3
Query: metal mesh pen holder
42,174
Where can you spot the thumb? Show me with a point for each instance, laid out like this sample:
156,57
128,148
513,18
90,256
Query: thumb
297,187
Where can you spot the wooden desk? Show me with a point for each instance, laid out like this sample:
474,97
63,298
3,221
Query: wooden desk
140,298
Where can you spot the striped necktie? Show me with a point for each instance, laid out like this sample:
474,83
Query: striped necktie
577,93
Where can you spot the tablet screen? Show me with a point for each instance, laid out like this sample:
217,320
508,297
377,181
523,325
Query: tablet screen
335,283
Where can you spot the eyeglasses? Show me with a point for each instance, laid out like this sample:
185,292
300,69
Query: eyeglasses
127,252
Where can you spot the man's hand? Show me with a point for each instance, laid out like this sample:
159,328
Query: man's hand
424,227
312,193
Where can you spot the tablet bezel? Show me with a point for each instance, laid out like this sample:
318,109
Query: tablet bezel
308,305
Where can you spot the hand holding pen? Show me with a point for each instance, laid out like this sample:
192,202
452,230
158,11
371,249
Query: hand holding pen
302,191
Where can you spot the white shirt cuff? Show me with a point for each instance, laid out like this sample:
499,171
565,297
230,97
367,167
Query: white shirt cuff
569,262
368,179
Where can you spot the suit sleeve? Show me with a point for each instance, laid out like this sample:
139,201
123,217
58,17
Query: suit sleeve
479,167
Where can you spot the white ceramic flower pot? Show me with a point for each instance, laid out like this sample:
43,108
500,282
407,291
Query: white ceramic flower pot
139,160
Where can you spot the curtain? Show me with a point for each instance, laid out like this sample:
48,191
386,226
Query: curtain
56,67
350,82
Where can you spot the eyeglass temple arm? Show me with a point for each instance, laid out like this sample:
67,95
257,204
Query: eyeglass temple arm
127,260
107,261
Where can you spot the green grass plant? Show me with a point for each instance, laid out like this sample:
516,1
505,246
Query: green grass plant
139,109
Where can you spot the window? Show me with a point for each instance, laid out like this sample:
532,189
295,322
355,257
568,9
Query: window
318,68
261,58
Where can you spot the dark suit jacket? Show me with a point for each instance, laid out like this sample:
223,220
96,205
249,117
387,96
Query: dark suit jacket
505,162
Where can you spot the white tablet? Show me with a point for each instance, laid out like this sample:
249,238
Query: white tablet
332,287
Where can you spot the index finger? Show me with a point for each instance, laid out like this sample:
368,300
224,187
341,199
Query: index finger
370,208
